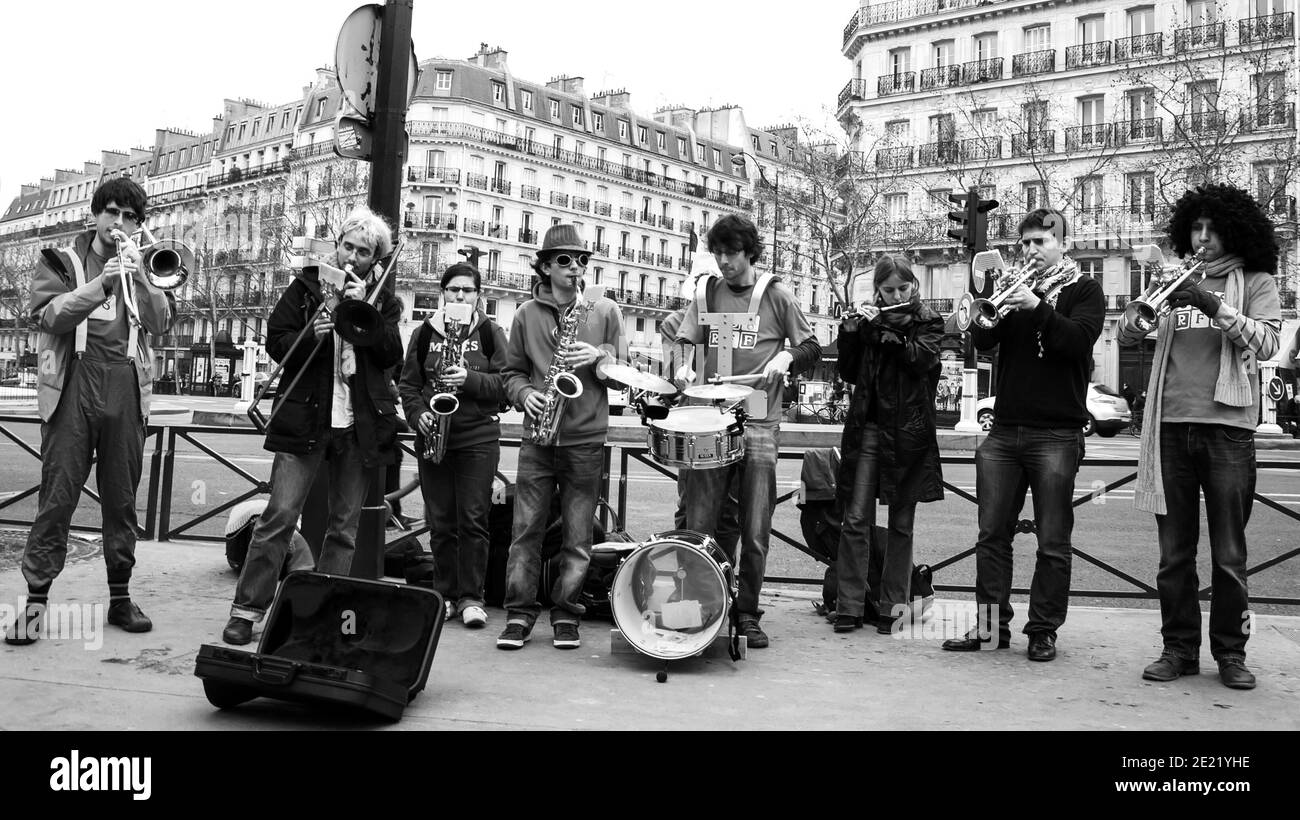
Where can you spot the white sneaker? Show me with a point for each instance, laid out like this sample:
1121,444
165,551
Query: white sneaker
474,617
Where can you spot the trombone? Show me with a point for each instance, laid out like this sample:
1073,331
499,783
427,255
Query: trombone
166,263
1145,312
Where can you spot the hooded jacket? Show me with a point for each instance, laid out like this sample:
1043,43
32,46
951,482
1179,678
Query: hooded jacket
533,336
303,416
59,304
476,419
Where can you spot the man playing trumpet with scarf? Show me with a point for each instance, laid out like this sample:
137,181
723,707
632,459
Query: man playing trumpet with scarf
1203,402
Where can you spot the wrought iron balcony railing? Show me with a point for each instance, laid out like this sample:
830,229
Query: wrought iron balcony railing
1139,47
1088,54
1196,37
1033,143
1033,62
901,83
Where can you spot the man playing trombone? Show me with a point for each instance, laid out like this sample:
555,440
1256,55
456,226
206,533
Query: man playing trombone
1203,406
1044,360
95,310
339,410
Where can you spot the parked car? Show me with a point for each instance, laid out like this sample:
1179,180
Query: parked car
1108,411
617,401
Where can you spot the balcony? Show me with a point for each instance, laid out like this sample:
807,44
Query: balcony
938,153
498,230
1139,47
601,249
647,218
683,264
1128,132
1270,29
245,174
895,159
528,236
429,221
436,175
901,83
688,226
603,209
645,257
1033,143
479,181
1033,62
581,203
474,226
1082,137
978,149
1088,54
946,76
666,221
626,255
560,200
1269,116
663,260
1200,122
627,214
982,71
851,27
853,90
1196,37
530,192
501,186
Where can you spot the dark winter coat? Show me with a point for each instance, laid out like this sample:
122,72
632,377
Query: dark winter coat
303,416
894,387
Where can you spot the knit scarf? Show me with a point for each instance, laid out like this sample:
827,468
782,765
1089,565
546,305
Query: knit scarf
1231,388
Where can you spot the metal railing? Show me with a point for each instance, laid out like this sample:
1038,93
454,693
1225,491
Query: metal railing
902,83
1088,54
1271,28
1193,37
1033,143
1139,46
895,159
940,77
852,90
1033,62
981,71
1088,136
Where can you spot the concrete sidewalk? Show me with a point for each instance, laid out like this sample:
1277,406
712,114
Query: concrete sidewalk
809,678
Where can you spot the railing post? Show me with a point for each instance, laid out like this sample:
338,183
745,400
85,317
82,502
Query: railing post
151,495
165,501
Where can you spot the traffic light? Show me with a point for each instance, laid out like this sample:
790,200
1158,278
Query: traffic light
972,221
961,231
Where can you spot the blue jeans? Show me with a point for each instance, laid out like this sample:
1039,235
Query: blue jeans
576,469
853,557
1220,461
1046,460
457,499
706,492
291,480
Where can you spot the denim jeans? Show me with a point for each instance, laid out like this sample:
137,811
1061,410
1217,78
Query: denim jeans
457,500
853,558
291,479
1046,460
576,469
728,520
1220,461
755,474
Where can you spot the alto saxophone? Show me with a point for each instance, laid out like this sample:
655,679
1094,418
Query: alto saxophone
444,401
561,382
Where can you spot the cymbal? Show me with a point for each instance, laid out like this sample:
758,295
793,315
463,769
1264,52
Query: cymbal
636,379
718,392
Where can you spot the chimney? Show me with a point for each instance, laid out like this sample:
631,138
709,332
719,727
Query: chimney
46,183
28,189
92,169
565,83
325,76
676,115
613,99
496,59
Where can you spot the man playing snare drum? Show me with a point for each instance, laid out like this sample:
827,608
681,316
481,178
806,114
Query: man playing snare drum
735,245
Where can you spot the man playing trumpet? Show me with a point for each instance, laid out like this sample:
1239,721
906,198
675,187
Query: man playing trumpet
95,378
1203,405
1044,359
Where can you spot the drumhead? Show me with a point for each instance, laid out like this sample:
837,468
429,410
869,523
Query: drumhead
670,598
694,420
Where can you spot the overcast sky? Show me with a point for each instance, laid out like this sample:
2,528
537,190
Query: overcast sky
82,76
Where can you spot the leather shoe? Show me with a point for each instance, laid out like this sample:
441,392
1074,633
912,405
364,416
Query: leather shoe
847,623
755,637
1169,667
127,615
1042,646
972,641
27,626
1234,674
238,631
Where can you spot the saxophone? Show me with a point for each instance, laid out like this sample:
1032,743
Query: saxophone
445,402
561,382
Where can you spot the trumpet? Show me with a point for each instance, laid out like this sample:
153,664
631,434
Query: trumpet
1146,311
986,313
166,264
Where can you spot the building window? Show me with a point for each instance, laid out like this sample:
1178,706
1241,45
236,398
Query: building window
986,46
1270,187
1140,190
898,61
943,53
641,134
699,152
896,207
659,140
320,112
598,122
681,147
1038,38
1092,29
622,129
577,116
1141,21
443,81
498,91
555,109
1090,267
257,126
528,100
717,158
1034,194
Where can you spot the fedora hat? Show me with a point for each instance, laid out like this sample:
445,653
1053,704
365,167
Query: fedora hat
562,237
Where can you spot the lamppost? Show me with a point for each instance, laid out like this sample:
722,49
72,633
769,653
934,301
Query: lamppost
739,161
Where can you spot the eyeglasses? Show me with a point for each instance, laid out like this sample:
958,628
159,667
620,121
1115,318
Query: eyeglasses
564,259
455,289
130,216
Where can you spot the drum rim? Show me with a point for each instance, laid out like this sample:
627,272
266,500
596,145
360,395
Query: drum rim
719,575
685,413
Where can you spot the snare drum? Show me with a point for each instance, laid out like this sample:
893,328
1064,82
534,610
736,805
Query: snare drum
700,438
670,596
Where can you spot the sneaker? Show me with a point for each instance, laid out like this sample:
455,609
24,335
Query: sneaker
27,626
1234,674
755,637
1169,667
566,635
127,615
514,636
238,631
449,610
474,616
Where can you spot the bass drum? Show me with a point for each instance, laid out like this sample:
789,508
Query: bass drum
671,595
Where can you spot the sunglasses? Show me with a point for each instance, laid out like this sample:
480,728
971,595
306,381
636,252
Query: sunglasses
455,289
565,259
130,216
